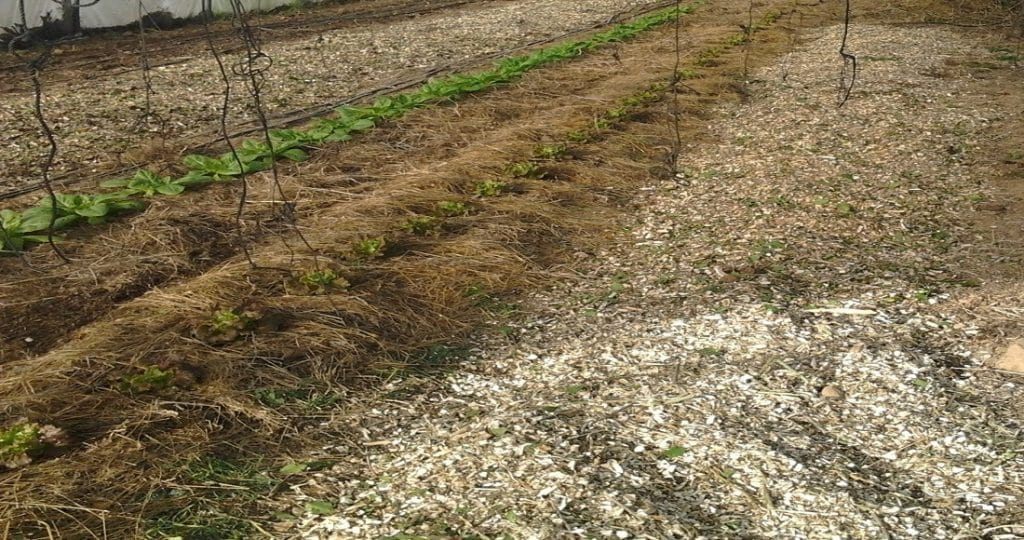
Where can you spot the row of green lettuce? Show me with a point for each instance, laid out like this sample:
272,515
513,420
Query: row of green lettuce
20,229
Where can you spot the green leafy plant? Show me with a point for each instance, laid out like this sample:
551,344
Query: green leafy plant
490,188
92,208
17,443
616,113
549,151
289,144
322,281
452,208
208,169
308,398
524,169
319,508
673,452
148,184
371,247
19,226
225,326
257,156
253,156
421,225
578,136
293,468
23,441
153,379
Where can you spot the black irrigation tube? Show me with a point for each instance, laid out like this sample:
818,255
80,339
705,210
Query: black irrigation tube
297,116
323,24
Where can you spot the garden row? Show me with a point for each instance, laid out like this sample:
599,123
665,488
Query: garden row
20,442
20,229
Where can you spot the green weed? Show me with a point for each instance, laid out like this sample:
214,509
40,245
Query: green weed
307,398
231,489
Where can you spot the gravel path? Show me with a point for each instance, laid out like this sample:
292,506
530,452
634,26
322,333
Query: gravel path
98,121
772,352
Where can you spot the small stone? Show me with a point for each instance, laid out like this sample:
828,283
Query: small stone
1013,358
833,392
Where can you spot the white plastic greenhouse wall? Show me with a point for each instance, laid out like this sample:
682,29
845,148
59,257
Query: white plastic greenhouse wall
114,13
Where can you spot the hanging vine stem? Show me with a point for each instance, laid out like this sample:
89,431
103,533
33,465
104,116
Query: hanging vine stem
849,62
147,116
748,37
35,67
254,68
677,140
225,104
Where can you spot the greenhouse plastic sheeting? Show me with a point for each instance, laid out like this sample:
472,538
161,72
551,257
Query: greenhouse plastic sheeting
113,13
36,12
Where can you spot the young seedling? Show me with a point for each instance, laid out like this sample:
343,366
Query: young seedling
524,169
490,188
371,247
149,184
153,379
549,151
452,208
616,113
225,326
203,169
92,208
23,441
322,281
421,225
578,136
18,443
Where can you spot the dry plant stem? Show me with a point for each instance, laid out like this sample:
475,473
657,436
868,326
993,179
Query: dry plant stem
147,79
747,40
256,74
677,139
50,155
35,66
849,62
224,107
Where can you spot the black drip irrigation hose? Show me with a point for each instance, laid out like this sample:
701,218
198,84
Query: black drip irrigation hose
297,116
